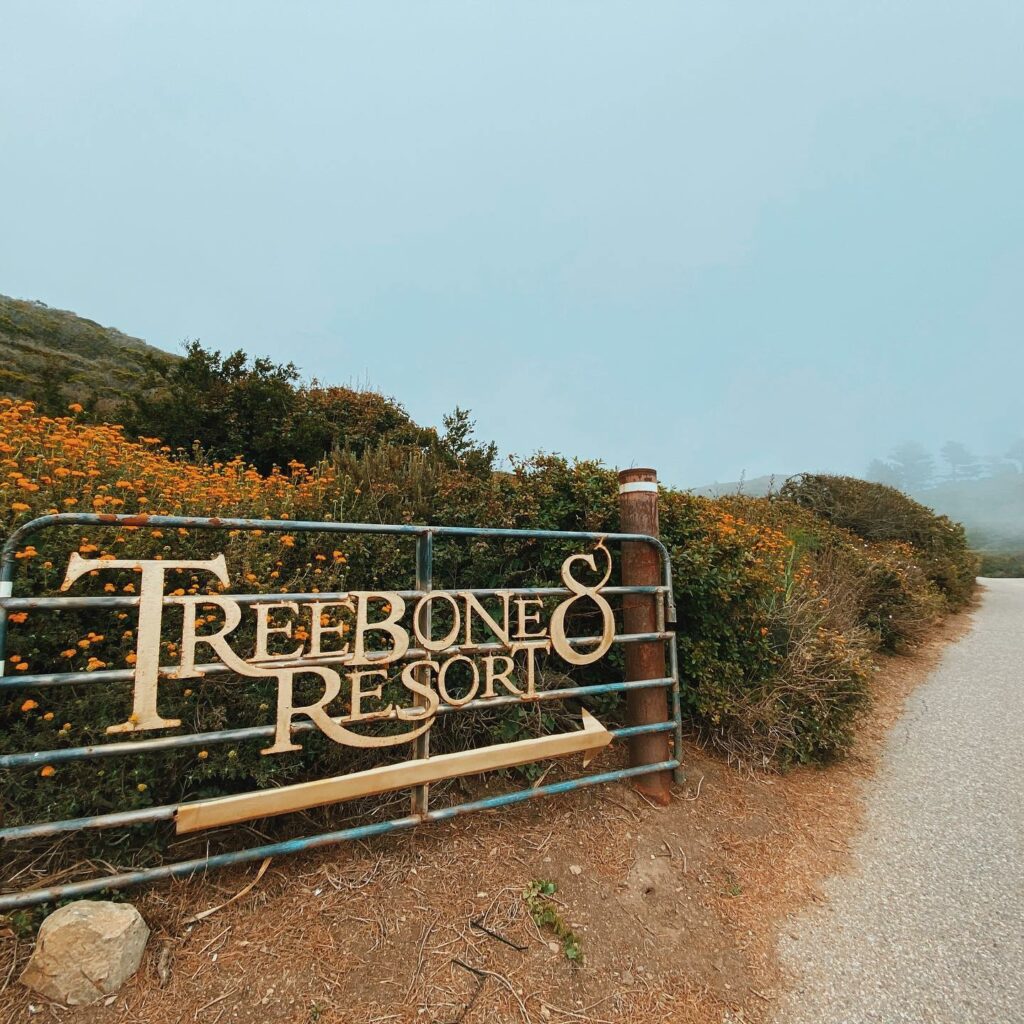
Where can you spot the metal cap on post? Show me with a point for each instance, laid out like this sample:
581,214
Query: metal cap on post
638,513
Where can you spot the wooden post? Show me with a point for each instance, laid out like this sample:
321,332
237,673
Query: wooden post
638,513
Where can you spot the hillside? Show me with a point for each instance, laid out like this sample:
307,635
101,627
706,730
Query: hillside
755,487
54,356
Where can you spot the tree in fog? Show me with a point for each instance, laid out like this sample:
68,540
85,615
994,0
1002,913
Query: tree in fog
962,464
1015,453
913,466
882,472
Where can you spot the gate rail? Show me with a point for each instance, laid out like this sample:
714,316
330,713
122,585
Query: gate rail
424,538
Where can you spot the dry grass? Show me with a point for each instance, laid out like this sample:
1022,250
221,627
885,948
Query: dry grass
677,909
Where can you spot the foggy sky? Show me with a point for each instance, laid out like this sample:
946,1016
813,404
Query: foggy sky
708,237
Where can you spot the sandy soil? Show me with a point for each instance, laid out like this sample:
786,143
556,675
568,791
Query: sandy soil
677,910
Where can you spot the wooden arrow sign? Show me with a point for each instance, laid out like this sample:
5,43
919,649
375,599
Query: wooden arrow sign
229,810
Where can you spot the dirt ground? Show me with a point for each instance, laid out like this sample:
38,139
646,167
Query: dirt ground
676,910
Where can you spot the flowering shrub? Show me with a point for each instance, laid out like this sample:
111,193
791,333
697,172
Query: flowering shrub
891,592
778,609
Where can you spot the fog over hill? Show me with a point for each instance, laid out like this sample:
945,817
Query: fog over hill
54,356
986,494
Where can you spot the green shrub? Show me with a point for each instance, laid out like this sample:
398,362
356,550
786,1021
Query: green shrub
876,512
778,605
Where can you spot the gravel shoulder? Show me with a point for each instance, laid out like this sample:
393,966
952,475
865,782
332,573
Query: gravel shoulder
928,926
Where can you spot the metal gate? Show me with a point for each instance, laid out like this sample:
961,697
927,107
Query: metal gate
426,537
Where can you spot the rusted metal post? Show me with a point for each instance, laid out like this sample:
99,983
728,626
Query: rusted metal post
638,513
425,583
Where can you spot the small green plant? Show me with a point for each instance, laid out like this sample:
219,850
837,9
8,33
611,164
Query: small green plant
545,915
25,923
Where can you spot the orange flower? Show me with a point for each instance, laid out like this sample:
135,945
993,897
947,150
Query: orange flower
29,705
74,407
47,771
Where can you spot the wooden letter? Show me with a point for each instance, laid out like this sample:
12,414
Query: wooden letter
473,605
423,688
457,702
558,638
358,693
317,609
524,619
286,709
264,629
399,636
491,676
423,635
147,644
531,648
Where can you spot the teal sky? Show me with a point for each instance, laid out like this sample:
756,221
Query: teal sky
708,237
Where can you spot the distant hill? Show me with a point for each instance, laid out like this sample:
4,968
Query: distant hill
54,357
755,487
990,507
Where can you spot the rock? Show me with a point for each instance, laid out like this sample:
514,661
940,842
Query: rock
85,951
576,869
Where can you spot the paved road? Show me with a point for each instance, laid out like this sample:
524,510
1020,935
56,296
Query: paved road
929,927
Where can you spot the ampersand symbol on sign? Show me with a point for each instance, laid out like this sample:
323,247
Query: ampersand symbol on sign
580,590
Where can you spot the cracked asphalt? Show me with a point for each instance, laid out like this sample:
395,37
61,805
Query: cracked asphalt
928,926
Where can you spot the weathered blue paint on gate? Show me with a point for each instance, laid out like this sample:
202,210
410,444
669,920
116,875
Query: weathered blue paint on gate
425,536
